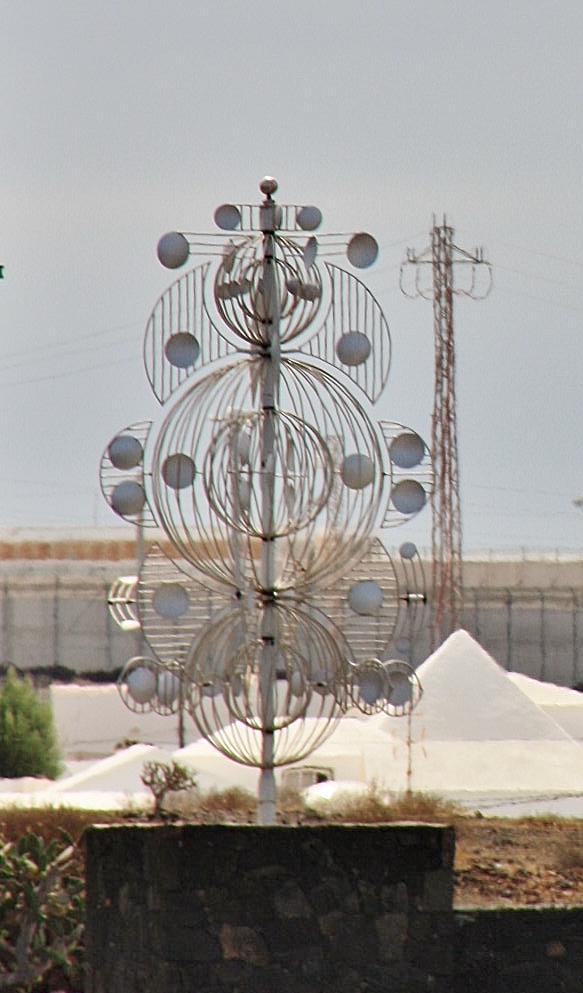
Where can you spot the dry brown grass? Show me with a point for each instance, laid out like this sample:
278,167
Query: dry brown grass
237,806
48,822
229,806
376,807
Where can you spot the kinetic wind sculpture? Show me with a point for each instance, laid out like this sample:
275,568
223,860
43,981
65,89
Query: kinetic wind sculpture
273,607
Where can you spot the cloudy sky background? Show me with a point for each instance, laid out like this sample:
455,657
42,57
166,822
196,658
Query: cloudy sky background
122,120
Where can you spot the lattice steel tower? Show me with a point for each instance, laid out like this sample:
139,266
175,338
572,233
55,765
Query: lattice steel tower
443,256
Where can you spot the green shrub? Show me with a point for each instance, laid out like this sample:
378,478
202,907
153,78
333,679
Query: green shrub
42,909
28,738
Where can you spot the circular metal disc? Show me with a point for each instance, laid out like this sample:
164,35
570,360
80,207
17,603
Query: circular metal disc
357,471
365,597
370,686
125,452
168,688
408,496
141,684
173,250
227,217
178,471
310,251
182,350
128,498
407,450
353,348
309,217
171,600
362,250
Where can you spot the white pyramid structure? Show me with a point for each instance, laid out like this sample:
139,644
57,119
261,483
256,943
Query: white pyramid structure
477,736
474,738
467,696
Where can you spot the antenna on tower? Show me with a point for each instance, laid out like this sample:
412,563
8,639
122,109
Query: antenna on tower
434,272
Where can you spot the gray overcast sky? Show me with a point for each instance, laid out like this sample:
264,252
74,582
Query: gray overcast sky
122,120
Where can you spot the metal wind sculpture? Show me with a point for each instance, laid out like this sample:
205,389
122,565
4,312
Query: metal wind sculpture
270,607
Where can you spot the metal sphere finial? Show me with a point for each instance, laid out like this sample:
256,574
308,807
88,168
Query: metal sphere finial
268,185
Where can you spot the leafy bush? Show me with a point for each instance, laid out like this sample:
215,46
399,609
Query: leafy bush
28,738
42,909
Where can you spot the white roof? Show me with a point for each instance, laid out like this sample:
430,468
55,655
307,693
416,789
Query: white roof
546,694
93,720
118,773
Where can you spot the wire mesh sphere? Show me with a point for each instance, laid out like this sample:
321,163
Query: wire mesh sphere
185,332
384,687
405,690
317,526
242,686
297,468
240,289
146,685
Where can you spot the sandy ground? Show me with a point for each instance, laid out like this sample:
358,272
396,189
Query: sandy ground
509,863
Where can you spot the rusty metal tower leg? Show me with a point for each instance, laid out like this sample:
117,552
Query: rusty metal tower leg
446,531
441,259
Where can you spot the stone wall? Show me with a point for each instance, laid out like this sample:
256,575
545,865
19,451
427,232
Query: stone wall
519,951
224,909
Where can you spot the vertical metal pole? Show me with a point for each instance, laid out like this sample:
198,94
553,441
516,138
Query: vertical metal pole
543,637
477,616
7,624
509,629
56,621
140,558
181,725
108,626
575,628
409,787
270,372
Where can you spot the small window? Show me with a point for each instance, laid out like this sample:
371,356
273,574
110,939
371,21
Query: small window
300,777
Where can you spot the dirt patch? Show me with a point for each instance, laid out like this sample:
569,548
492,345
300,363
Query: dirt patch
507,863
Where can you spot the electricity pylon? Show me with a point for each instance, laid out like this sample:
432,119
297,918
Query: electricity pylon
443,257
